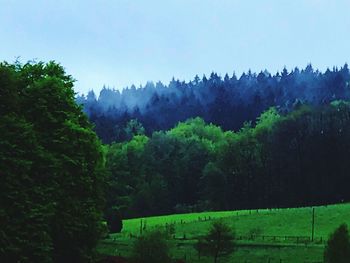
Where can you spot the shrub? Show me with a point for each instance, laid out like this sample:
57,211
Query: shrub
217,242
337,249
152,247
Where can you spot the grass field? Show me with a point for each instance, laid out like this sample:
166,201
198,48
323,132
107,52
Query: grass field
277,235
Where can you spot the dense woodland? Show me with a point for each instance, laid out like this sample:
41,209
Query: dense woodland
285,160
256,141
227,102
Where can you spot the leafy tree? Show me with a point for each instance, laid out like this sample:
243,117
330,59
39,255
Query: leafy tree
52,173
337,249
214,185
217,242
24,210
151,247
114,220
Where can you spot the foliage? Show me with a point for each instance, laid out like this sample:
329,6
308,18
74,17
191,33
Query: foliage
51,183
284,160
213,184
151,247
337,249
170,230
217,242
114,220
227,102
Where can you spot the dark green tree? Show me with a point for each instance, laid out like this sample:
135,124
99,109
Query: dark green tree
52,175
337,249
214,185
114,220
219,241
24,211
132,128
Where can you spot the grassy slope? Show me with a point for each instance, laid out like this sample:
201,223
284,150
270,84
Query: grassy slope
281,222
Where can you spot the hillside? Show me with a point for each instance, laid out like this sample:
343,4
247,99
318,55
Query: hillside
278,235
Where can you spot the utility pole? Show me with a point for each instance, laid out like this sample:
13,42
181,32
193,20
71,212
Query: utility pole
313,224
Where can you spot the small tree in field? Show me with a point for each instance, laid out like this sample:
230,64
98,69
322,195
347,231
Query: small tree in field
338,246
219,241
152,247
114,220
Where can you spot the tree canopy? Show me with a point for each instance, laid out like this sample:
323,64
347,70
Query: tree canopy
218,242
51,183
283,160
227,102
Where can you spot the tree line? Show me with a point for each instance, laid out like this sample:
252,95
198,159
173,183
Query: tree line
282,160
227,102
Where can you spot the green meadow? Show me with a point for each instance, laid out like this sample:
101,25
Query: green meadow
266,235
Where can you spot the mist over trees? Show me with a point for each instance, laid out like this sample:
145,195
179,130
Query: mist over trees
228,102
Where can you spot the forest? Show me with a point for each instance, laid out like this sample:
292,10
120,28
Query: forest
284,160
256,141
227,102
72,167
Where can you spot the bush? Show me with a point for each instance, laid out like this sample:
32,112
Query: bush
152,247
114,221
217,242
170,230
337,249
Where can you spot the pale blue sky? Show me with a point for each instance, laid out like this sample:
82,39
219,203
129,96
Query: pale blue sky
118,43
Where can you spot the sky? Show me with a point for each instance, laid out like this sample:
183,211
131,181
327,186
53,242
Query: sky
119,43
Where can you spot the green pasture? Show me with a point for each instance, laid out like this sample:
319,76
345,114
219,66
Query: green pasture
266,235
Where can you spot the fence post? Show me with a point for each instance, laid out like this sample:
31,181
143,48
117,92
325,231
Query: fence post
313,224
140,226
